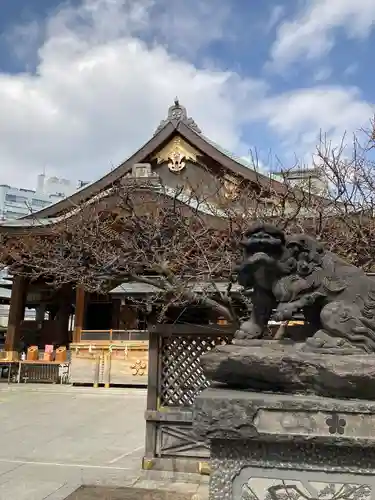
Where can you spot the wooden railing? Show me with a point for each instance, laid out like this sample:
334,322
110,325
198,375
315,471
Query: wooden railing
112,335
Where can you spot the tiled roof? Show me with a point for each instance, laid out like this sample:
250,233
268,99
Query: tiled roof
135,287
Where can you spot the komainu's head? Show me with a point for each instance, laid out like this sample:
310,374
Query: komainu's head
304,252
264,238
264,246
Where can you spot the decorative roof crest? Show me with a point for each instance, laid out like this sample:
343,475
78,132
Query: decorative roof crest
177,113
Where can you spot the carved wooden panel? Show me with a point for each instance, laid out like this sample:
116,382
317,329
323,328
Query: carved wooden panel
180,441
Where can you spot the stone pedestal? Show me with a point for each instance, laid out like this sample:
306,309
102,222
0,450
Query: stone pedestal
284,447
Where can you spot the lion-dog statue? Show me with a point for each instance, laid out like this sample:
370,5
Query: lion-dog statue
294,273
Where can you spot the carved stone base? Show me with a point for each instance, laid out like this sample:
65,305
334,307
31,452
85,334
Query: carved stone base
279,447
283,367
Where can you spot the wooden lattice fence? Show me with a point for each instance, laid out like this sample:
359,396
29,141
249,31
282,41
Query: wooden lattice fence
175,379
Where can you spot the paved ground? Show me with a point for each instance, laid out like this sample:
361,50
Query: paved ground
130,493
55,439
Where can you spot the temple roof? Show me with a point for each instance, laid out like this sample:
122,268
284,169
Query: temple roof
178,123
135,288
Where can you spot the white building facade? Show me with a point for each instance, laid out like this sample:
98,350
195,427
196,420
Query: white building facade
18,202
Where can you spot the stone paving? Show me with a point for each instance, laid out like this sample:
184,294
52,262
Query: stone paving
57,438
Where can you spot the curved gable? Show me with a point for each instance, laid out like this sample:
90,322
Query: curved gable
177,122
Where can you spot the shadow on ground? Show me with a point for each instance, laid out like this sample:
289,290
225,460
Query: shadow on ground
103,493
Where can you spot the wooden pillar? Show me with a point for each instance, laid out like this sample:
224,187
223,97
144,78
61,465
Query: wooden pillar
40,312
62,325
16,313
116,309
62,316
79,314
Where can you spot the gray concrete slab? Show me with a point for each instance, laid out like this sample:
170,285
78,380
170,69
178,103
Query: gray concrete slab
57,438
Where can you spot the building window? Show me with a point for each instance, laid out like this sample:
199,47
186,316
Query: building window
14,198
13,215
39,203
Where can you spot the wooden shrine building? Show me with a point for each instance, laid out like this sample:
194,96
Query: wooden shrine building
177,152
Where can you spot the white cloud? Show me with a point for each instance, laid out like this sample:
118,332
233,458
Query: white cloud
351,69
311,34
299,116
99,92
187,26
322,73
106,73
276,14
22,41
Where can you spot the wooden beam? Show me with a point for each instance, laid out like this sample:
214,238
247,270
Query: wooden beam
79,314
16,313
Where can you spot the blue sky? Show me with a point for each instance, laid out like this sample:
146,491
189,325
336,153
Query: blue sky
84,83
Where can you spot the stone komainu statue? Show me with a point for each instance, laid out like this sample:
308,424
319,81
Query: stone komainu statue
293,273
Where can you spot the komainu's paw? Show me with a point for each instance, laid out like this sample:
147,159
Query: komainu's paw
325,343
284,313
248,331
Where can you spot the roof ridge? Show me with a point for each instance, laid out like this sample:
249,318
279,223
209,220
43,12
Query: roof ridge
177,114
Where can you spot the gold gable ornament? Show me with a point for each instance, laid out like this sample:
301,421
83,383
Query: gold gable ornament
176,154
176,163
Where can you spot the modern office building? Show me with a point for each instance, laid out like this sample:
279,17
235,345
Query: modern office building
310,179
18,202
